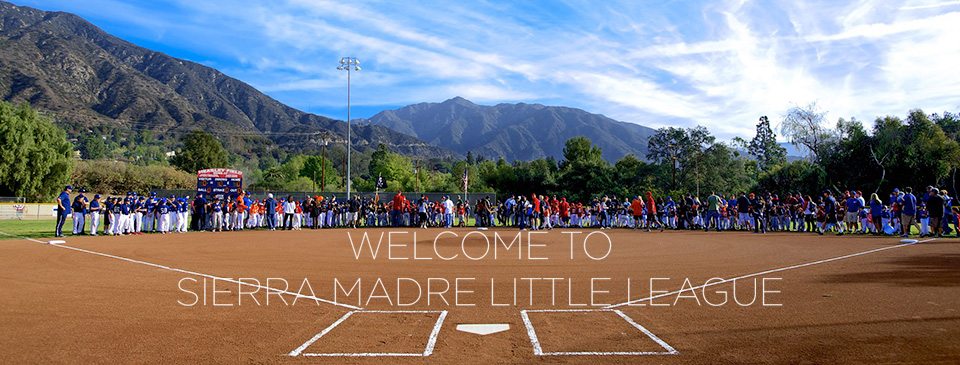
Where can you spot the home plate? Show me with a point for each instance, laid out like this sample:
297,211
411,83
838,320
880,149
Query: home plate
482,329
56,242
908,241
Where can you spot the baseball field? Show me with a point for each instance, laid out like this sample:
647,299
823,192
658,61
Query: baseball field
403,295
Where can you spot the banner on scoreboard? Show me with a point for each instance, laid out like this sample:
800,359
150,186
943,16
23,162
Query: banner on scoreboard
220,183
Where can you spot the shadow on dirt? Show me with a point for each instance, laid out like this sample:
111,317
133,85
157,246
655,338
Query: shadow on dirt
926,270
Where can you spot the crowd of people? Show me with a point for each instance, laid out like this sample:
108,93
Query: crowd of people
848,212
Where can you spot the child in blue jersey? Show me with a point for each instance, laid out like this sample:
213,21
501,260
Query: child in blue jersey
136,216
79,212
125,210
108,216
182,215
149,212
95,210
163,213
217,211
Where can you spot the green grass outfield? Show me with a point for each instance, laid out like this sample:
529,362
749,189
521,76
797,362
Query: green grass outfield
33,228
44,228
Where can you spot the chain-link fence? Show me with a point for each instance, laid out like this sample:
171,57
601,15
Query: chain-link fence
14,207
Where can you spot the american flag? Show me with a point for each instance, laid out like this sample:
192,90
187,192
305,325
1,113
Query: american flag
465,179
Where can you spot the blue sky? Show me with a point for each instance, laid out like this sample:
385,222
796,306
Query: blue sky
720,64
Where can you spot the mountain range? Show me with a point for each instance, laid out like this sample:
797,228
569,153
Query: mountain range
78,73
513,131
64,65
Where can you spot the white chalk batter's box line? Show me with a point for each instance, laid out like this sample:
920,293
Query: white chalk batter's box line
431,342
538,350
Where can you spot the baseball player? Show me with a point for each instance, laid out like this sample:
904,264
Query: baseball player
163,214
136,215
95,210
79,212
63,209
149,216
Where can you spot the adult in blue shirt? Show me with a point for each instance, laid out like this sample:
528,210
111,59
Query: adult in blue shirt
63,209
908,211
853,212
270,209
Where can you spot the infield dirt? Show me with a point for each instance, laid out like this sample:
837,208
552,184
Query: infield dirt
897,305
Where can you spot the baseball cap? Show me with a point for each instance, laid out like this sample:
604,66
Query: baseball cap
68,187
97,196
82,190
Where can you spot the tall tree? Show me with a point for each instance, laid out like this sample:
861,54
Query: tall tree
804,127
764,146
584,171
200,151
932,155
580,150
92,148
396,168
680,148
35,157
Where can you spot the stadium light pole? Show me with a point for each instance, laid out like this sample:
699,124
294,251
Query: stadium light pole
349,64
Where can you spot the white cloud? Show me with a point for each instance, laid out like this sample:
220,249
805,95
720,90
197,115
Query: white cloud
931,6
719,64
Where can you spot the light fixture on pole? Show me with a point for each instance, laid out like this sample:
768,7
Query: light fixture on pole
349,64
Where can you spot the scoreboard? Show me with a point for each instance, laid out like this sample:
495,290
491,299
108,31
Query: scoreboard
221,183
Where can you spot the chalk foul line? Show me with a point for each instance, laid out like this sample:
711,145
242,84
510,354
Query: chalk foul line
428,350
164,267
712,283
